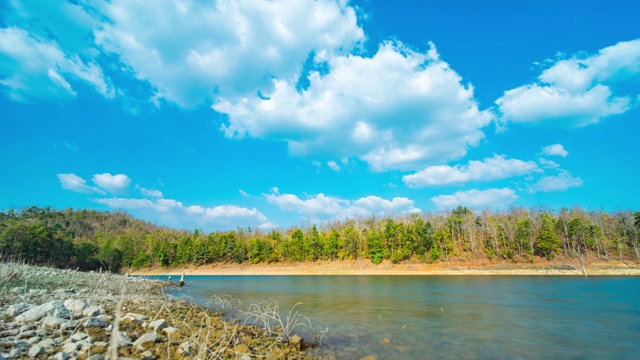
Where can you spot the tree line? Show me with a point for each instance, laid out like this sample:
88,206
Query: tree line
91,240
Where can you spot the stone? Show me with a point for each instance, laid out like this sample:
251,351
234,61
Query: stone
245,357
146,340
35,351
135,317
147,355
47,343
185,348
17,309
170,330
386,341
61,356
95,322
158,325
70,348
93,310
75,306
53,322
122,339
78,337
96,357
52,308
369,357
27,334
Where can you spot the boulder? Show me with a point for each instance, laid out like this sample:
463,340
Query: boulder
76,306
146,340
17,309
158,325
35,351
95,322
52,308
93,310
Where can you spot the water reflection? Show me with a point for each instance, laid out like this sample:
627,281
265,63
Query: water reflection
409,317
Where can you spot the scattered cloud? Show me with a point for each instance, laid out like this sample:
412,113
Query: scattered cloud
333,165
495,168
322,207
168,211
114,184
34,67
555,150
75,183
400,109
548,164
244,193
561,182
576,91
476,199
149,192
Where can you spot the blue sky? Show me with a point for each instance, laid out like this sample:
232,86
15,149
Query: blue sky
217,114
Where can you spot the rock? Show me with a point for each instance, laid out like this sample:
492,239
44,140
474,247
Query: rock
78,337
147,355
386,341
146,340
93,310
96,357
33,340
370,357
70,348
185,348
135,317
170,330
35,351
75,306
17,309
245,357
61,356
95,322
122,339
158,325
70,325
52,308
47,343
27,334
53,322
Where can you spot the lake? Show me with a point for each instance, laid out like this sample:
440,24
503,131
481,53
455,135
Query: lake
452,317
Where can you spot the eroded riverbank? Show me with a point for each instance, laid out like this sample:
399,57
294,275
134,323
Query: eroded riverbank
365,267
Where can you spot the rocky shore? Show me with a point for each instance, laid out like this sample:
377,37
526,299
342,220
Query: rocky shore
63,314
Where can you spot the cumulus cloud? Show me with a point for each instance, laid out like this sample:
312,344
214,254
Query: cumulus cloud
333,165
576,91
114,184
172,212
34,67
561,182
476,199
149,192
75,183
400,109
322,207
555,150
495,168
191,51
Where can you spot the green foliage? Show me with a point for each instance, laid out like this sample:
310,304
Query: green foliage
90,240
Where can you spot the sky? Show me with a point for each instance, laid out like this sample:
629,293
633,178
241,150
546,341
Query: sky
215,115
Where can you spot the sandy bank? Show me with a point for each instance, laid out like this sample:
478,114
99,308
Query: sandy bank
542,268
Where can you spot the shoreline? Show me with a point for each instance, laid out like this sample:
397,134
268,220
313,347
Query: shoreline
354,268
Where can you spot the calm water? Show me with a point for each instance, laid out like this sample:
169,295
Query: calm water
455,317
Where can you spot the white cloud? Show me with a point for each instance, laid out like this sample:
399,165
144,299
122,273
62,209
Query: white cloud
75,183
555,149
549,164
399,109
172,212
149,192
577,91
114,184
476,199
226,47
333,165
322,207
32,67
495,168
561,182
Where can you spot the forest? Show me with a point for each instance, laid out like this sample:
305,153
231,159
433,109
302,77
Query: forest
115,241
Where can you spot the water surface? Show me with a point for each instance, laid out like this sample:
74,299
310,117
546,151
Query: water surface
453,317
